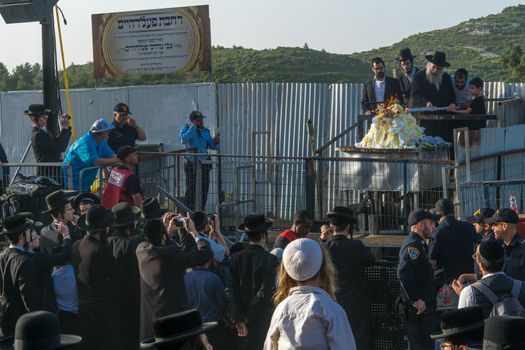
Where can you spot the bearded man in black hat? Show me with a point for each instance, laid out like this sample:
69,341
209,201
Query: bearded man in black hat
123,245
380,89
408,72
162,268
433,88
252,283
19,285
461,329
97,280
350,257
47,147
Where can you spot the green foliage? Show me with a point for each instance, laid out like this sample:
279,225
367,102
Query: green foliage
484,46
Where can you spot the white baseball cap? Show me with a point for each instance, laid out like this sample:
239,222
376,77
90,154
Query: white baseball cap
302,259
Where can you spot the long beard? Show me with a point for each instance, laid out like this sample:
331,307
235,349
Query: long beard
434,79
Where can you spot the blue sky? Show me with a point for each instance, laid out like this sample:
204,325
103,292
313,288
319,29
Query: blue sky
339,26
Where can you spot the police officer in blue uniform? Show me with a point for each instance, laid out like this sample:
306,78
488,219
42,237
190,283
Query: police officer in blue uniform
483,230
416,276
505,226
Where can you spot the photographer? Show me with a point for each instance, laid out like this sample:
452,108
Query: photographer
162,268
195,135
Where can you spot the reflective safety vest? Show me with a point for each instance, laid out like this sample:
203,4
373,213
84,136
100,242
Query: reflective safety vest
115,191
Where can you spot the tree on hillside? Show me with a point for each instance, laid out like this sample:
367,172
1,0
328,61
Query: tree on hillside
514,60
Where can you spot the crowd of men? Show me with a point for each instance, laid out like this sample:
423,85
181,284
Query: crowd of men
431,87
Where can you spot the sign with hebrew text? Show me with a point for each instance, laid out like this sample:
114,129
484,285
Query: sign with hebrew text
151,42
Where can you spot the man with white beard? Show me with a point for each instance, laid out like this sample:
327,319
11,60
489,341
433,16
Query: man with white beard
432,87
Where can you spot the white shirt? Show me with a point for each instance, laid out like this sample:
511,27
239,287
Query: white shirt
379,89
466,297
308,319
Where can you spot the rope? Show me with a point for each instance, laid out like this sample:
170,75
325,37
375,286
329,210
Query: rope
66,83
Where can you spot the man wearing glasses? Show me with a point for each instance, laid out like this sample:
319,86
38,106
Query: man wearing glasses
126,130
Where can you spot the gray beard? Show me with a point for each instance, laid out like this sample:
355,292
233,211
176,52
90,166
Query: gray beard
434,79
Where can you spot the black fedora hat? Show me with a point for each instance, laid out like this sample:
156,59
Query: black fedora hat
405,54
37,110
31,216
176,328
443,207
85,197
504,332
15,224
466,322
255,223
56,200
342,212
151,208
439,59
125,214
39,330
96,218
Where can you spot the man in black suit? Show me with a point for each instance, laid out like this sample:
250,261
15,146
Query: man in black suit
162,268
4,171
46,147
97,279
123,244
18,279
350,257
408,71
379,89
433,88
252,283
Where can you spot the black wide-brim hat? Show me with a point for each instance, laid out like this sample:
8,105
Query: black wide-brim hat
37,110
96,218
176,328
405,54
83,197
15,224
439,59
342,212
56,200
125,214
66,341
151,208
29,215
255,223
461,322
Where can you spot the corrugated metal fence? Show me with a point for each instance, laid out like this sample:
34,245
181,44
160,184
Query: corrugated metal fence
278,112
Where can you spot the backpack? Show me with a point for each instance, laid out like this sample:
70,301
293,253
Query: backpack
507,305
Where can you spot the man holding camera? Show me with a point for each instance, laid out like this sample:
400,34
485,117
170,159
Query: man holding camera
195,135
47,147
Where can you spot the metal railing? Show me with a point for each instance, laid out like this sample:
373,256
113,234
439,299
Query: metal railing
12,172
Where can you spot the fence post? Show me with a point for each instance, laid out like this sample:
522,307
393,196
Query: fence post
70,176
405,196
444,180
198,185
310,186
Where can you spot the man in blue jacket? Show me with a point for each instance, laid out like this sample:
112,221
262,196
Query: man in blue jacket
196,136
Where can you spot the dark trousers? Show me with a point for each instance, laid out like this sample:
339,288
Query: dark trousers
419,328
190,168
222,338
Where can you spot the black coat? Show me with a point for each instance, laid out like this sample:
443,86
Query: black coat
392,89
350,258
48,148
252,284
4,180
51,240
406,85
162,289
19,285
123,248
97,279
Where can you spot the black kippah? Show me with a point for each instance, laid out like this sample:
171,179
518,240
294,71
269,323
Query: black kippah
491,251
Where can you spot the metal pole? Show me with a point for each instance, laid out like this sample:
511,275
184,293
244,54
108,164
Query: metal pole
21,161
405,196
444,179
48,72
198,186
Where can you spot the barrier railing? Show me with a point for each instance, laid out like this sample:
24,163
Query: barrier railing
11,172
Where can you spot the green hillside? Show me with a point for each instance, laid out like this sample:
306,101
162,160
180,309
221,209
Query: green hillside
479,45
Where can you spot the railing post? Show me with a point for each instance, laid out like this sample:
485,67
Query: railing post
198,185
405,196
444,180
310,186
